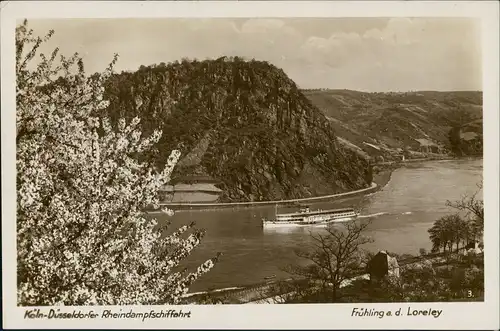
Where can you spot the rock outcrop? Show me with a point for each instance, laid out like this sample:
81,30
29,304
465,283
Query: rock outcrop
244,123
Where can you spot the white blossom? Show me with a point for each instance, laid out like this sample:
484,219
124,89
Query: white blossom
167,211
83,238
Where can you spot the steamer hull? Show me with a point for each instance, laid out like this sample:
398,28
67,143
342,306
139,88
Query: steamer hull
306,218
274,224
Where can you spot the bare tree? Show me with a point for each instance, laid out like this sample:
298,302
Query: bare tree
470,204
336,257
473,209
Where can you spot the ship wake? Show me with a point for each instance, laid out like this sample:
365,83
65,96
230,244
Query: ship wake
373,215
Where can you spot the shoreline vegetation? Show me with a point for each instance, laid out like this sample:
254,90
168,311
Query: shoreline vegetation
271,291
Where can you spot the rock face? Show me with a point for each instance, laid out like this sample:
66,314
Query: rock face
382,265
244,123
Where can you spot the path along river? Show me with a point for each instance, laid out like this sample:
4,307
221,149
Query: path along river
401,214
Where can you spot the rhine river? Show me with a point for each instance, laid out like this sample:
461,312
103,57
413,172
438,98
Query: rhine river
402,212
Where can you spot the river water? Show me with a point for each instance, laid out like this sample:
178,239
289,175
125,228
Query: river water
402,212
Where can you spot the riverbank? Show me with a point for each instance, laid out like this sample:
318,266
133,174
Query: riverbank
437,157
383,170
208,206
382,176
380,180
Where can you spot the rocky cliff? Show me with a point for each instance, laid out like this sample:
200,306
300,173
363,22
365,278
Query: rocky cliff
243,123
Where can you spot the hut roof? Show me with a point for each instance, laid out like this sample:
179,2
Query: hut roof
426,142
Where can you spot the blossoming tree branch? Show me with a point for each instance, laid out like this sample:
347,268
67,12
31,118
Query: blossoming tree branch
83,238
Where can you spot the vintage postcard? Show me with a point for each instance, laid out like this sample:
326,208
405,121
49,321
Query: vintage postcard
312,165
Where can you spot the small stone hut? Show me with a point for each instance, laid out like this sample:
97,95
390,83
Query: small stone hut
382,265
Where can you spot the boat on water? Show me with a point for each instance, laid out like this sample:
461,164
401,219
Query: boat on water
306,217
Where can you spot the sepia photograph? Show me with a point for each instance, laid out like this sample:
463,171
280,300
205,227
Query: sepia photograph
174,162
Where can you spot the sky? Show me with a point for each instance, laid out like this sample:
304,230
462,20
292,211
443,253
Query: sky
365,54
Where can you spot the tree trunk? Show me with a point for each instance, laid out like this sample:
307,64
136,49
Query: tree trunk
334,293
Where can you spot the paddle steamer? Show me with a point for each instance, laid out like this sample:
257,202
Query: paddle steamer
306,217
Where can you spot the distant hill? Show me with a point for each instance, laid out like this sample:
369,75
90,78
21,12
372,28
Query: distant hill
243,124
387,124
